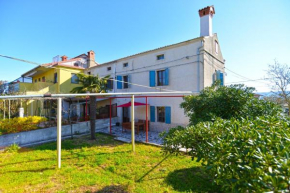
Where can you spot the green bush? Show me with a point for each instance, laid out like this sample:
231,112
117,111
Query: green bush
241,155
19,124
234,101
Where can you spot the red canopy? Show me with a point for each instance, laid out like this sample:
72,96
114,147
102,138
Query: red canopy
129,104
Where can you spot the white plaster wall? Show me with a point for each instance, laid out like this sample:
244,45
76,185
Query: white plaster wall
81,61
186,73
213,61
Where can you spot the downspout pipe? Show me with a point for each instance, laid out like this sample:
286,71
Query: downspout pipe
198,66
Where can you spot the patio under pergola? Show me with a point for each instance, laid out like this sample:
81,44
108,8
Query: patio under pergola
129,104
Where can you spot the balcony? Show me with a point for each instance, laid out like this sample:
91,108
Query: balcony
39,87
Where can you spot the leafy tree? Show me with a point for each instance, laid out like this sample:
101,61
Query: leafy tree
279,77
226,102
91,84
2,88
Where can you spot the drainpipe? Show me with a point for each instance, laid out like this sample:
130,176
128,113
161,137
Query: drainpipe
198,67
114,87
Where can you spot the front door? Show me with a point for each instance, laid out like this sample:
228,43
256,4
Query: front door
126,117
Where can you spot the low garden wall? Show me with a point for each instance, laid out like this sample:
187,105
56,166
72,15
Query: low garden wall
49,134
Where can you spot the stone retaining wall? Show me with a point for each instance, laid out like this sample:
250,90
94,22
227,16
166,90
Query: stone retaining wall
49,134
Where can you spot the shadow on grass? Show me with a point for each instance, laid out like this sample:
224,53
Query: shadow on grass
113,189
80,142
194,179
26,161
36,170
147,173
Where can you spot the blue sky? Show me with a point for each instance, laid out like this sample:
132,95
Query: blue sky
252,33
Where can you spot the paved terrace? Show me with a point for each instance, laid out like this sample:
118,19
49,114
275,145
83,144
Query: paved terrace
153,136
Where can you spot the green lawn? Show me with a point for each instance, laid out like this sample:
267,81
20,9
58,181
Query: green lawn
104,165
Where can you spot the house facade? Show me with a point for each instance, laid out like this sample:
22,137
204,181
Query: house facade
55,78
191,65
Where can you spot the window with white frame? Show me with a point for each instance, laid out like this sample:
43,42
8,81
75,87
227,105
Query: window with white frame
109,68
110,84
160,77
161,114
125,83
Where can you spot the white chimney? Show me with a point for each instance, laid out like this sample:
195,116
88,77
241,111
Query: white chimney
206,15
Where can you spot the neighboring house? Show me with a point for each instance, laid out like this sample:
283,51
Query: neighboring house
191,65
54,78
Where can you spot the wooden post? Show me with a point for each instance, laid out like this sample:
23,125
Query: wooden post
133,124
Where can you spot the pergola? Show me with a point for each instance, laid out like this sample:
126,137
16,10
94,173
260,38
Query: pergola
129,104
131,95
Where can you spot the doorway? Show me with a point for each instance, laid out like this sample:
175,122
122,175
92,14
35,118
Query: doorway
126,117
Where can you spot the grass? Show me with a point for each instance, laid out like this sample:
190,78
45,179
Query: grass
104,165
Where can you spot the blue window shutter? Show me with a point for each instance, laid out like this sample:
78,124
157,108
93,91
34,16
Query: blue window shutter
168,115
218,75
222,78
119,84
152,78
152,113
166,76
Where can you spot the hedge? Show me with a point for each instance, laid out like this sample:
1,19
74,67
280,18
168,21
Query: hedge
19,124
240,155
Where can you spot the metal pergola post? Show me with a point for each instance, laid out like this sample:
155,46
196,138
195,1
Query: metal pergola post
4,108
9,108
110,116
147,119
133,123
59,132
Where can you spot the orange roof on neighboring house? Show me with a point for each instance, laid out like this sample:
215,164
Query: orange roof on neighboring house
54,64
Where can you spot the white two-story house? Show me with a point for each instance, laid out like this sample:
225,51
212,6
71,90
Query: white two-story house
191,65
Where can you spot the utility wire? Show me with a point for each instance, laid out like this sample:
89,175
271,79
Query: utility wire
255,80
186,57
38,64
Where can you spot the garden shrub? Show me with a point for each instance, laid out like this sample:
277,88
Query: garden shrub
19,124
241,155
234,101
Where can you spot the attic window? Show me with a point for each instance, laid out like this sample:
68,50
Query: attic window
216,47
125,65
109,68
160,57
76,64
